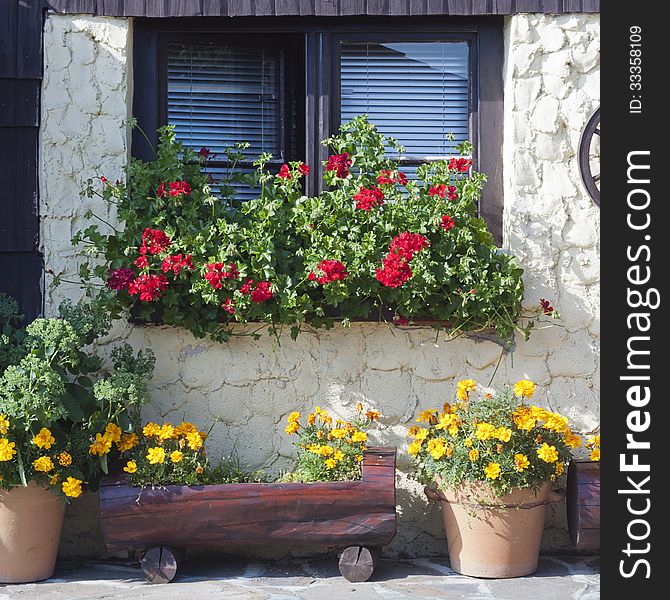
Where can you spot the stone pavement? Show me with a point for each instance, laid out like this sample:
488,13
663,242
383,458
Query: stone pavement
557,578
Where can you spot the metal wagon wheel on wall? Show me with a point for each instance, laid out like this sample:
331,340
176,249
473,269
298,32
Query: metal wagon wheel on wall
589,159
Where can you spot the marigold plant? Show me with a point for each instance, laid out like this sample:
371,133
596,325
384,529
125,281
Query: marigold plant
593,445
491,437
374,242
329,450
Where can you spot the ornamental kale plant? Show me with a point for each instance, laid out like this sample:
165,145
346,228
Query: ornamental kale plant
51,410
373,243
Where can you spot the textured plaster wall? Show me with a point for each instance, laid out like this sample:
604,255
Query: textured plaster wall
551,88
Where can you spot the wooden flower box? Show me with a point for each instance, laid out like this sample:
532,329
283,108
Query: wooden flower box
356,516
583,504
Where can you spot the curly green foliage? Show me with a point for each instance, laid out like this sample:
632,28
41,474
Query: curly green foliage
459,280
11,334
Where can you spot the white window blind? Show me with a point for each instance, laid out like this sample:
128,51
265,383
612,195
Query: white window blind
416,92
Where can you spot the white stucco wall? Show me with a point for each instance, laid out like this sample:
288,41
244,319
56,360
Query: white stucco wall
551,88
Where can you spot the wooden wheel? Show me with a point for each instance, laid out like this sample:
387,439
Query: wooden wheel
588,159
160,563
358,562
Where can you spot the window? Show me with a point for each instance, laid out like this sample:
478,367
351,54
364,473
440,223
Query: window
285,84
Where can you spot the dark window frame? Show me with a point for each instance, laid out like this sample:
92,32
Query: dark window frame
320,79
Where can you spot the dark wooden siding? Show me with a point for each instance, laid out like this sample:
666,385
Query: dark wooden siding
20,79
334,8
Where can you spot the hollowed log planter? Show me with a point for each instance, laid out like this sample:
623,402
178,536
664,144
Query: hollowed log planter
357,516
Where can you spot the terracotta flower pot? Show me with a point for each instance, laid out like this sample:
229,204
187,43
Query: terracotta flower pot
31,519
491,536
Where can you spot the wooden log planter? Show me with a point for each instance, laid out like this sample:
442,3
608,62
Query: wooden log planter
583,504
356,516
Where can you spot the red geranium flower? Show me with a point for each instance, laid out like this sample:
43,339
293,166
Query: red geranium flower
547,308
148,286
158,241
394,272
204,153
103,179
438,190
261,292
451,193
176,263
462,165
339,163
447,222
385,177
141,261
332,270
303,168
160,191
177,188
217,272
407,244
400,320
284,172
120,279
229,306
247,286
367,199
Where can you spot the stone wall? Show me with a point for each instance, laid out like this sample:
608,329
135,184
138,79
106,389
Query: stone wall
551,88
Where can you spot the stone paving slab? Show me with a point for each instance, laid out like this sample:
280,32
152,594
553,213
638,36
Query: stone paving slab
557,578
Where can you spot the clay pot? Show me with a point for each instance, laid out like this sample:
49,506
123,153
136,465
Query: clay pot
490,536
31,519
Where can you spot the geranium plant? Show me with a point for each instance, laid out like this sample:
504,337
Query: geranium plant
494,438
55,397
329,450
374,242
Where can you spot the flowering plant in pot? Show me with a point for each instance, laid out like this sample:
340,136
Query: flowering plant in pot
490,459
50,410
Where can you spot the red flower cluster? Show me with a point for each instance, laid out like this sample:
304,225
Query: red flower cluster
443,190
547,308
148,286
407,244
229,306
205,153
331,270
177,188
284,172
386,177
447,222
462,165
367,199
303,168
395,266
217,272
176,263
339,163
261,292
158,241
120,279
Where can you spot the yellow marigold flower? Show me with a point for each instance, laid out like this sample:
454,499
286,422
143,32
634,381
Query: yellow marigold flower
156,455
54,479
101,446
44,439
499,448
414,448
595,454
504,434
43,464
359,407
7,450
524,418
199,470
473,455
429,416
166,432
4,424
72,487
359,436
311,419
492,470
319,434
294,417
338,434
326,451
326,419
151,430
572,440
185,428
131,466
447,421
560,469
467,442
548,453
113,432
339,455
127,442
464,387
446,407
437,448
313,448
292,427
421,434
203,435
330,463
524,388
176,456
372,415
485,431
521,462
317,410
555,422
194,441
359,457
64,459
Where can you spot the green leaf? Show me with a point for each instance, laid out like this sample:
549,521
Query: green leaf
74,410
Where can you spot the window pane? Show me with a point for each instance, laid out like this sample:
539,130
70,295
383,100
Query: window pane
416,92
220,95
